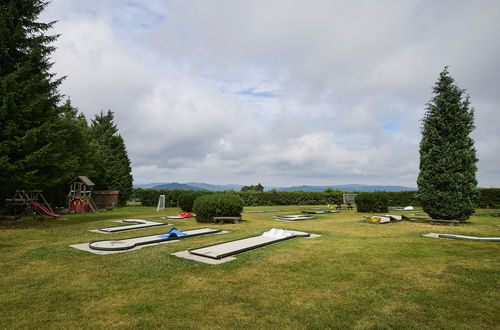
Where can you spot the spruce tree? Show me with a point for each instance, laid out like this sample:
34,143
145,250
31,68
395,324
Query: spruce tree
72,138
34,150
447,179
111,161
258,188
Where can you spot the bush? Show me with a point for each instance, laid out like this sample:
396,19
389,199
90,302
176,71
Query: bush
269,198
402,198
186,200
149,197
217,205
488,198
371,202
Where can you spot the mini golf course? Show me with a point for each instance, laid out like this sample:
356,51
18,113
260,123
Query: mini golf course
138,224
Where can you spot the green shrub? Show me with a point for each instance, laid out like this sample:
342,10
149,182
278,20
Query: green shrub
186,200
269,198
371,202
488,198
149,197
402,198
217,205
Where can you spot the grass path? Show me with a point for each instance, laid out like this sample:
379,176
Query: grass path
355,276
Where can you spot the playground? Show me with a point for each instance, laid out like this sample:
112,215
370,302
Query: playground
351,275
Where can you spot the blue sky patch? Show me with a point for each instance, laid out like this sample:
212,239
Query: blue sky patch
252,92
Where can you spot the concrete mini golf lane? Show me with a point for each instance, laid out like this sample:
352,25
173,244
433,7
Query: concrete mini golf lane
137,224
222,250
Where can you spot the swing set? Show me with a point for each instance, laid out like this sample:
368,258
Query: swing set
31,201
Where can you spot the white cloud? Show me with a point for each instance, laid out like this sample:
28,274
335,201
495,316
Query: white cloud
101,72
302,92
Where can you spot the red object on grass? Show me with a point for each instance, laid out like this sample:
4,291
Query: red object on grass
44,210
78,205
185,215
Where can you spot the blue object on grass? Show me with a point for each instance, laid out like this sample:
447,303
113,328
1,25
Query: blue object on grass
174,232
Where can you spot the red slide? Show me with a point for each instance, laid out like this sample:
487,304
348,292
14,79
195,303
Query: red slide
44,210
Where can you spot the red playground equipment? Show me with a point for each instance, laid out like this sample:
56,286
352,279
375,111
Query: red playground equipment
33,202
80,195
44,210
78,205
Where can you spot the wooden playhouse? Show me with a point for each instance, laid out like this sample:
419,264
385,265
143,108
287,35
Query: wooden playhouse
80,195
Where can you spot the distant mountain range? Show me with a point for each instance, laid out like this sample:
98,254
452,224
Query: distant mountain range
347,187
237,187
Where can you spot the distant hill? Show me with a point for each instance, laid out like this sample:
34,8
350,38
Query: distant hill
301,188
148,185
237,187
215,187
360,187
347,187
175,185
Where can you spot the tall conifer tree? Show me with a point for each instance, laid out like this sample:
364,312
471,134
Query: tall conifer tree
32,151
111,160
447,179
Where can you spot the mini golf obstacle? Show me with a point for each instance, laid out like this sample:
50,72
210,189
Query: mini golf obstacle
406,208
260,211
383,219
137,224
320,212
133,243
180,216
464,237
222,252
129,243
294,217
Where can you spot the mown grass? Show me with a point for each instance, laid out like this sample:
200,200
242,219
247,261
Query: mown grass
355,275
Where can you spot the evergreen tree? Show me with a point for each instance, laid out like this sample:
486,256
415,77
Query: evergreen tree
258,187
73,136
111,161
447,179
34,153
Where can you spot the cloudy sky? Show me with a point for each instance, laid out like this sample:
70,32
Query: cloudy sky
278,92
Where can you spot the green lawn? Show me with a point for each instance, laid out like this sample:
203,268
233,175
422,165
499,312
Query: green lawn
355,275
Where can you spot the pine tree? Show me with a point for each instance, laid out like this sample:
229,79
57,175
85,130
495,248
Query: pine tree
33,152
258,188
112,164
447,179
72,138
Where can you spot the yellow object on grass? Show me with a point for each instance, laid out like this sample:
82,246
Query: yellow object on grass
373,218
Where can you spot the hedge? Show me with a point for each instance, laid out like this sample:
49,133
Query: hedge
488,197
253,198
372,202
217,205
186,200
149,197
402,198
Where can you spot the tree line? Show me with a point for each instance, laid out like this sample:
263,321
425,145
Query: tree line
44,140
488,197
